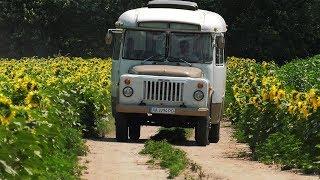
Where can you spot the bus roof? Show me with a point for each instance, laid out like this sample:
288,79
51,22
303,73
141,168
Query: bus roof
208,21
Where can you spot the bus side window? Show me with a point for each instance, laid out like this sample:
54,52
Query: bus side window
219,49
220,61
116,46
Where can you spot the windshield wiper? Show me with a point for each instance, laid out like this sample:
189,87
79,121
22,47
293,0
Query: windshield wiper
182,60
154,56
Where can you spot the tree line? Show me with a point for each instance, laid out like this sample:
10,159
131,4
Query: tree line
265,29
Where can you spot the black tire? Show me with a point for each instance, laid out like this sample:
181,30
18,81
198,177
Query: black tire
121,127
134,130
196,133
214,134
202,132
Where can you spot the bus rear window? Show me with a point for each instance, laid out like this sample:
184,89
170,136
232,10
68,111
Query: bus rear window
181,26
165,25
156,25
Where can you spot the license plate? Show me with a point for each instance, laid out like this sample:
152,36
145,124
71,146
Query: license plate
155,110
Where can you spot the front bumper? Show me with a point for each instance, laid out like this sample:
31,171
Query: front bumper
146,109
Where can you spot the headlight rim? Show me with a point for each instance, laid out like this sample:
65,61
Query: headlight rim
123,91
194,95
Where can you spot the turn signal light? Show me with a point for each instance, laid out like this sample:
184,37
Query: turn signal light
127,81
200,85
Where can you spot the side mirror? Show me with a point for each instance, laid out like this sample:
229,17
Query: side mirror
221,42
108,38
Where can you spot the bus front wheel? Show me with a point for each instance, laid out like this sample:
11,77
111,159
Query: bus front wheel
134,130
202,131
121,127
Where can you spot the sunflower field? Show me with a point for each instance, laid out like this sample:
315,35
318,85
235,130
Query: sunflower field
276,110
46,105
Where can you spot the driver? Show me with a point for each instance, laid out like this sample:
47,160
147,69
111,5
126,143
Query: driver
185,51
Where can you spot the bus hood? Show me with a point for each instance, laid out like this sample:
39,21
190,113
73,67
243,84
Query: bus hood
167,70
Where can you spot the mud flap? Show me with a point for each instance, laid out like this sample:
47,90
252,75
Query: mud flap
216,112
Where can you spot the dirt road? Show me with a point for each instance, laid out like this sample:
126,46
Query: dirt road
108,160
111,160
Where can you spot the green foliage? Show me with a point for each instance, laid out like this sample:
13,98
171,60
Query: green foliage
34,146
169,157
267,29
270,29
45,106
301,74
47,27
104,126
279,123
285,149
256,125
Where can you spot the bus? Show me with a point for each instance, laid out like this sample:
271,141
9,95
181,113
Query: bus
168,69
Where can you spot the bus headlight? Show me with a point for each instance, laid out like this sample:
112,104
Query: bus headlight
198,95
127,91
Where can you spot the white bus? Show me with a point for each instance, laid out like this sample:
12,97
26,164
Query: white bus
168,69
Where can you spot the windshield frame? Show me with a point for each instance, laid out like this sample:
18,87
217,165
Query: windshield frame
168,33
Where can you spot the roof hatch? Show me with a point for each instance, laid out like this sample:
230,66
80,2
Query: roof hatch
176,4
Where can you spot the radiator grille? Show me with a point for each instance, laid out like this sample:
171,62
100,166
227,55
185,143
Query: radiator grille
163,91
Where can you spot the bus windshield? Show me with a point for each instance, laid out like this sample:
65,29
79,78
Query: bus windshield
190,47
140,45
182,47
